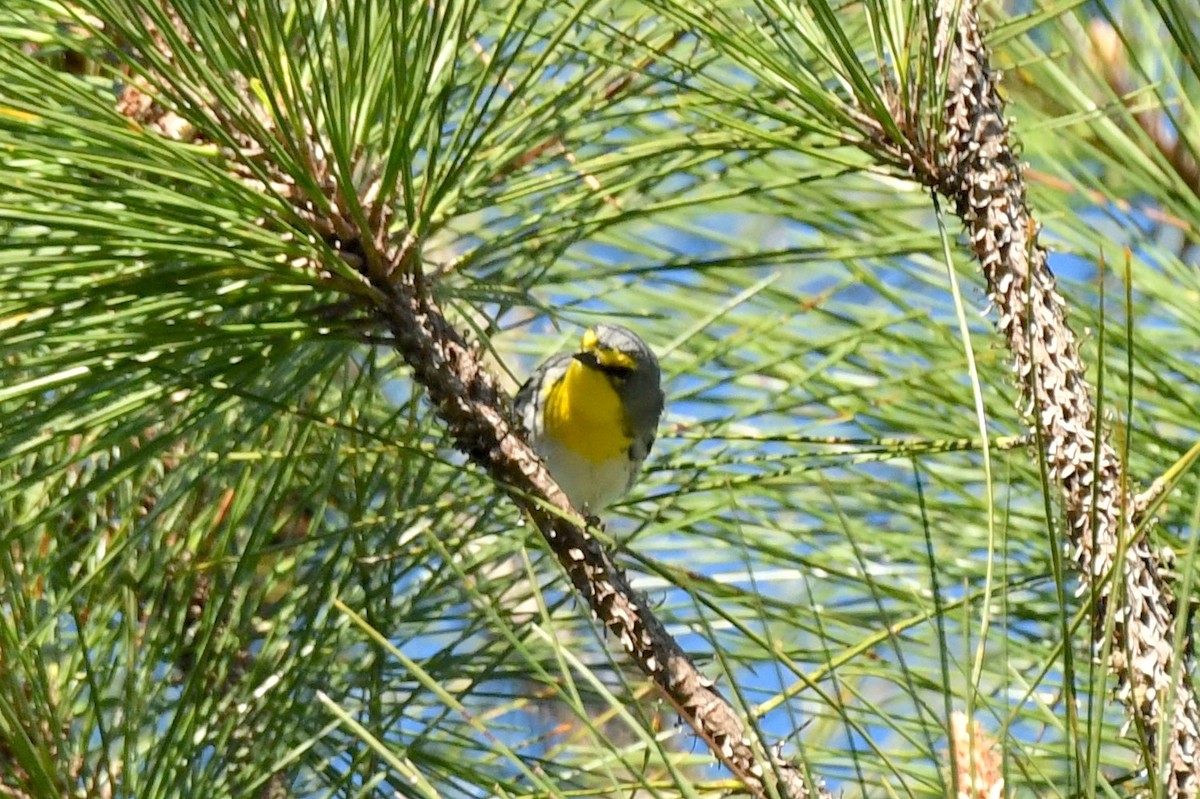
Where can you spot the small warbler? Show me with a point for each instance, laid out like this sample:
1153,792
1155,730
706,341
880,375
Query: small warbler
592,415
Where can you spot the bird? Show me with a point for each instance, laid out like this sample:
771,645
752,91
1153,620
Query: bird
592,415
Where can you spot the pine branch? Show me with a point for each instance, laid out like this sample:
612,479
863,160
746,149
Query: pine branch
475,410
973,164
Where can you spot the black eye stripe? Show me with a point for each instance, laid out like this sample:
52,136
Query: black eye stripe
612,370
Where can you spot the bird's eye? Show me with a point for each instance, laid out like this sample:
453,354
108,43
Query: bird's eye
616,372
617,368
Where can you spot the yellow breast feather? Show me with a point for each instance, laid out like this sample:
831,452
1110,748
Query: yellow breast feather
585,414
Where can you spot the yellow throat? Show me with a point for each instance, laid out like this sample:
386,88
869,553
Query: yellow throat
584,413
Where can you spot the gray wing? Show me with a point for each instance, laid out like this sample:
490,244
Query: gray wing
550,371
639,450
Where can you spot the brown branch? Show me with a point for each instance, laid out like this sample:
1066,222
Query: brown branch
1100,198
476,412
555,143
474,408
973,164
978,770
1114,66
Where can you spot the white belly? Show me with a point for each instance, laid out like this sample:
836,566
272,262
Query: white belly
590,486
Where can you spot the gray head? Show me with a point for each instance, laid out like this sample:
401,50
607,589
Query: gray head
630,364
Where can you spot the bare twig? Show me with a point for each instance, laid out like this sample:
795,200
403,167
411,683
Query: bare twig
1114,66
553,144
556,144
1156,214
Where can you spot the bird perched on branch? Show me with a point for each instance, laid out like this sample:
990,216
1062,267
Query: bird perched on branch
592,415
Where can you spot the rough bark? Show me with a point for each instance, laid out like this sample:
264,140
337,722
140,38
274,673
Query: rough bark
473,408
973,164
475,412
